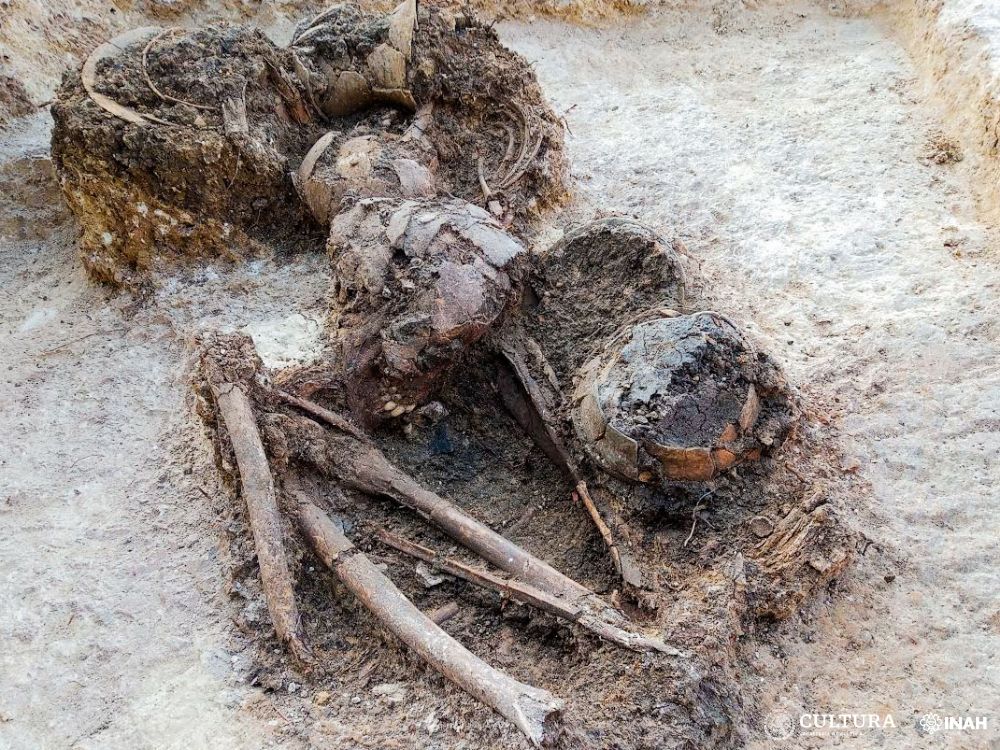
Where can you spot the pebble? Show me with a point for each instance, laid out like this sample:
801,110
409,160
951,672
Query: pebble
761,527
393,692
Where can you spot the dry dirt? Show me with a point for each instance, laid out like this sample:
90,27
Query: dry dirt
786,147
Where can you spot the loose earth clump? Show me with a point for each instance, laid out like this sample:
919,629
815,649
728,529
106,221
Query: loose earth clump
14,99
470,386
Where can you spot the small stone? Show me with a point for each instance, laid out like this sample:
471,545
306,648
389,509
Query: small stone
433,412
431,723
429,578
393,692
820,564
850,464
761,527
321,698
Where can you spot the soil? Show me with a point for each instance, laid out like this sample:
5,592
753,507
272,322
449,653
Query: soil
477,457
664,135
787,156
598,276
226,103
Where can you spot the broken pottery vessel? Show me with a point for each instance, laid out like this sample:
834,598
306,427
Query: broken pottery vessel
680,398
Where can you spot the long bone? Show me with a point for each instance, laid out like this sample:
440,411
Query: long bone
265,520
525,594
360,465
533,710
524,399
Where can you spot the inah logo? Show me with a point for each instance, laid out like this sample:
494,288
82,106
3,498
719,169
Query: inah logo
931,723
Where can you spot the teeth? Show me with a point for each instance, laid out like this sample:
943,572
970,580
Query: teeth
390,406
398,411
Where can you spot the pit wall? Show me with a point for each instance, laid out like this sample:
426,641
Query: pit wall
955,45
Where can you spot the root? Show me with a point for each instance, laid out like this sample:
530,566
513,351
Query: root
695,515
149,81
265,520
525,594
522,396
535,711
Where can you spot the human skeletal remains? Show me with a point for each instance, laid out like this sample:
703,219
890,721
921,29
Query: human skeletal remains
423,150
